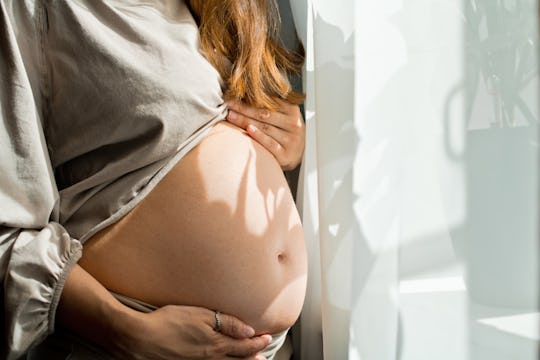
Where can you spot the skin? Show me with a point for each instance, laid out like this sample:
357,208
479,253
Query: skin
281,132
210,241
180,332
171,332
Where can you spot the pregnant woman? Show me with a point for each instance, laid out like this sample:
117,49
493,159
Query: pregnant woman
134,219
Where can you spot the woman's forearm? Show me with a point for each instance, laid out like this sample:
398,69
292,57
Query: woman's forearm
88,309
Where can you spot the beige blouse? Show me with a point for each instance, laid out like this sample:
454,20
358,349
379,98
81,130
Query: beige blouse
98,100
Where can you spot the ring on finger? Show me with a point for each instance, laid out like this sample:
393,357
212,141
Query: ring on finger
217,318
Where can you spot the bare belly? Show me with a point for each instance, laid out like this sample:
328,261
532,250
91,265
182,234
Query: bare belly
220,231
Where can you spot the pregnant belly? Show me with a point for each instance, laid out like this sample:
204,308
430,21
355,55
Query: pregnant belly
220,231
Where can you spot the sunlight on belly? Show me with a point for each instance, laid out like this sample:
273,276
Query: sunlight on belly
220,231
248,181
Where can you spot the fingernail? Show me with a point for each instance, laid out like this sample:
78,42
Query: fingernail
268,337
248,331
251,128
231,115
260,357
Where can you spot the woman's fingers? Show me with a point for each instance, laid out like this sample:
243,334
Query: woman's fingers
280,132
255,357
187,332
246,347
269,142
238,338
231,326
242,121
274,118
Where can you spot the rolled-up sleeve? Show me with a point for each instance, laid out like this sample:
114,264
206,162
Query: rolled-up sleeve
36,252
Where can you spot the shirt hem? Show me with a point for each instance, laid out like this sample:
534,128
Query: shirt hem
193,141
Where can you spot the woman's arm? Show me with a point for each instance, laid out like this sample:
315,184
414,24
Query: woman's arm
37,254
172,332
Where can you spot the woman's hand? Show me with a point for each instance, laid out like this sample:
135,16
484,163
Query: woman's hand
171,332
186,332
281,132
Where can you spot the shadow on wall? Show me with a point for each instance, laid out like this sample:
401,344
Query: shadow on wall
499,240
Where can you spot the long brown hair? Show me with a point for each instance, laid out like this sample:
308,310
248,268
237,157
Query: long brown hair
245,33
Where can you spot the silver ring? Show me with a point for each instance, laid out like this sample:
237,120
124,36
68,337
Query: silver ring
217,317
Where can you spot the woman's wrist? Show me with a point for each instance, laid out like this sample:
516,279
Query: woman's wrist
123,326
88,309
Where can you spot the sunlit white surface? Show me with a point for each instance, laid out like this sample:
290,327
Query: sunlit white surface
525,325
423,113
432,285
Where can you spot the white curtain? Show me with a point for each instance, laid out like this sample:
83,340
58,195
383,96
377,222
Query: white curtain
351,276
404,174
